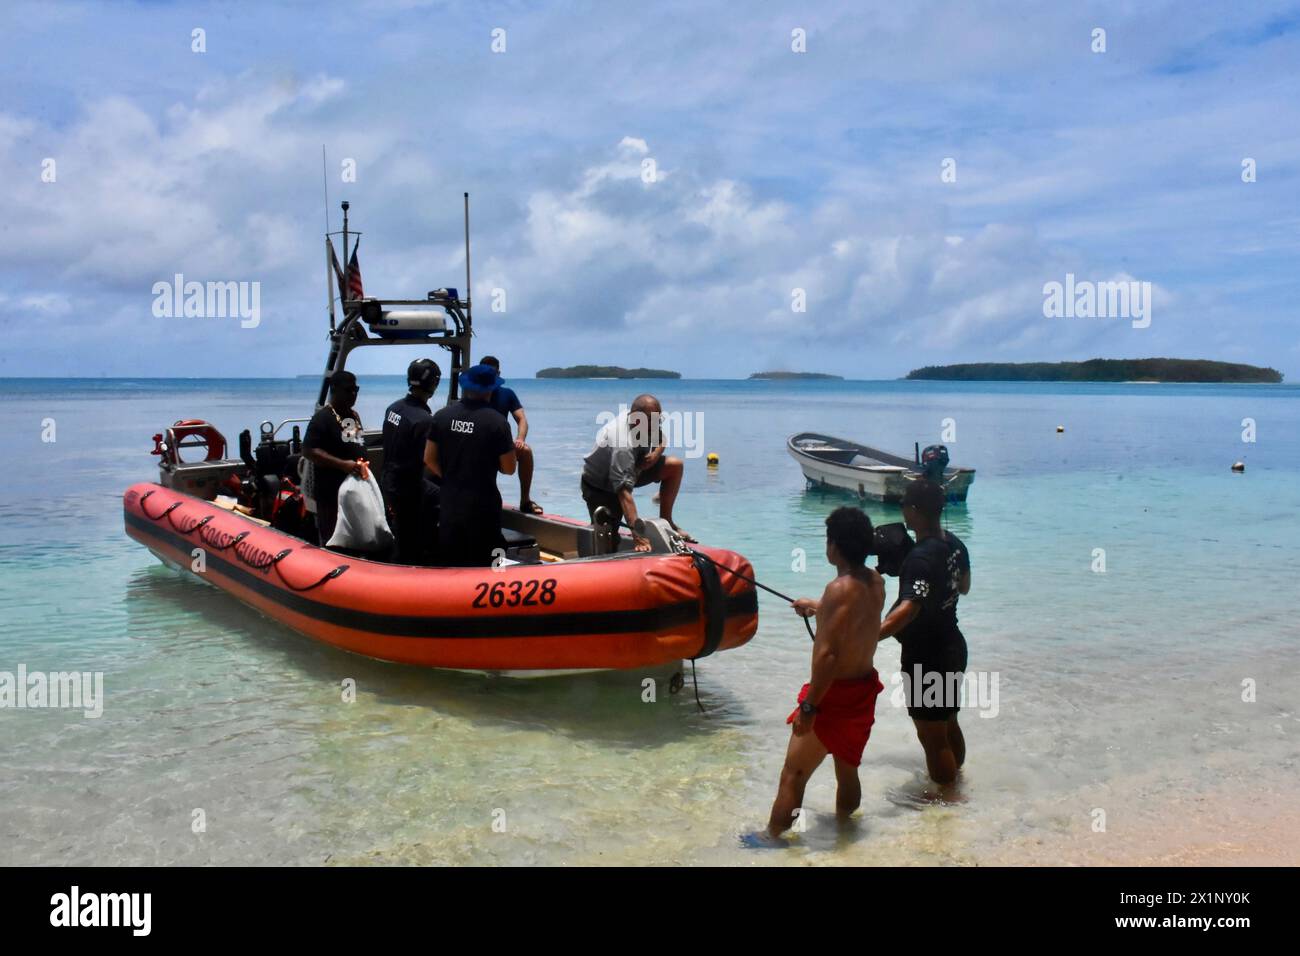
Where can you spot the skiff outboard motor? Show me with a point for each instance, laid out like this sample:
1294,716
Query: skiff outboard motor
934,459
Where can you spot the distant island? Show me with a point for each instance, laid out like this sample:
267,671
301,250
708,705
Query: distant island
805,376
606,371
1101,370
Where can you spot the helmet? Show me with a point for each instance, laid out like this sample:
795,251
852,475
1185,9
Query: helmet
424,374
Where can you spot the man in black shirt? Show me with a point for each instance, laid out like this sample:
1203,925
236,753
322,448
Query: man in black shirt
924,619
406,430
470,442
334,446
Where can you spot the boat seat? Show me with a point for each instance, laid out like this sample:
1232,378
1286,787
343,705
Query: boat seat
517,539
521,546
841,456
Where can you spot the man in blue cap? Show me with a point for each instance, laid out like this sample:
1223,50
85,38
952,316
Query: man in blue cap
505,401
469,443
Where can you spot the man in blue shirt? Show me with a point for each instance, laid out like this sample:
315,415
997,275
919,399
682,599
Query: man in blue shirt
505,401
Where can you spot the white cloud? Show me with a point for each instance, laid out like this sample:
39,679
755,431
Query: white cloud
773,171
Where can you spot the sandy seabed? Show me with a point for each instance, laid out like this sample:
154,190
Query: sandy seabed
1208,829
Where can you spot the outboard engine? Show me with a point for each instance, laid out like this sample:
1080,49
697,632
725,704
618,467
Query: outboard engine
934,459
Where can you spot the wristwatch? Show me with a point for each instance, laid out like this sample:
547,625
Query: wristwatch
807,709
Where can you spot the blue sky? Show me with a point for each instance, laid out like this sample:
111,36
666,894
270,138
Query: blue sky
775,171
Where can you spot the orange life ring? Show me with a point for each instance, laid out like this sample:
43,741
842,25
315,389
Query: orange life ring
206,433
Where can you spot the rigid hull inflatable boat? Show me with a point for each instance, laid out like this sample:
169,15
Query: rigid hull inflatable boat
571,596
617,611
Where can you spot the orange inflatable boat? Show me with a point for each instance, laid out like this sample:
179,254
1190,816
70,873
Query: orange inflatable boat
619,611
572,596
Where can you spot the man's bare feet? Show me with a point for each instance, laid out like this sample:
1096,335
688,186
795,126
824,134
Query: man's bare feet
530,507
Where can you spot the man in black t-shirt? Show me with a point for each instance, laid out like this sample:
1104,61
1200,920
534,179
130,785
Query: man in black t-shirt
334,446
924,619
470,442
406,430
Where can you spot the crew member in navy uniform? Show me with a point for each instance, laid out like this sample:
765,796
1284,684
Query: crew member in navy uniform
334,446
508,404
935,573
469,443
406,430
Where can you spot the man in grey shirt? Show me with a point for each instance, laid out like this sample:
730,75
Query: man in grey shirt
629,453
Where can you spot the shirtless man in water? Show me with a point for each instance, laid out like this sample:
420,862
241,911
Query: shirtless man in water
838,705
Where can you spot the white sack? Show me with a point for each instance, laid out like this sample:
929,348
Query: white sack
361,525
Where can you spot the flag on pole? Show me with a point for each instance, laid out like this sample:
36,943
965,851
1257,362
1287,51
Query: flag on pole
338,269
355,289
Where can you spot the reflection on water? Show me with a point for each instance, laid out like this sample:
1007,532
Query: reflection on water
604,706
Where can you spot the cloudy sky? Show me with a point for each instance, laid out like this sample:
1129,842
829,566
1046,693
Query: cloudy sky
651,182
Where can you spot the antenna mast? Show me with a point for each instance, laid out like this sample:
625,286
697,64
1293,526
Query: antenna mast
469,295
329,279
344,292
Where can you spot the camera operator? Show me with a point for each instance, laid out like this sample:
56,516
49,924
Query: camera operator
935,572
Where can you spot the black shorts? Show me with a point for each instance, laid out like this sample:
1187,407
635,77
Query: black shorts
469,530
413,519
933,676
469,543
600,498
327,516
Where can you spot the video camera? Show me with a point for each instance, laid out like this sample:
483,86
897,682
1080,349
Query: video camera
892,544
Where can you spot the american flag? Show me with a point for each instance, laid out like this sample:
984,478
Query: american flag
355,290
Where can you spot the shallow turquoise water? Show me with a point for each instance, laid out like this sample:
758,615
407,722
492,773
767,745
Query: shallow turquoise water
1116,689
